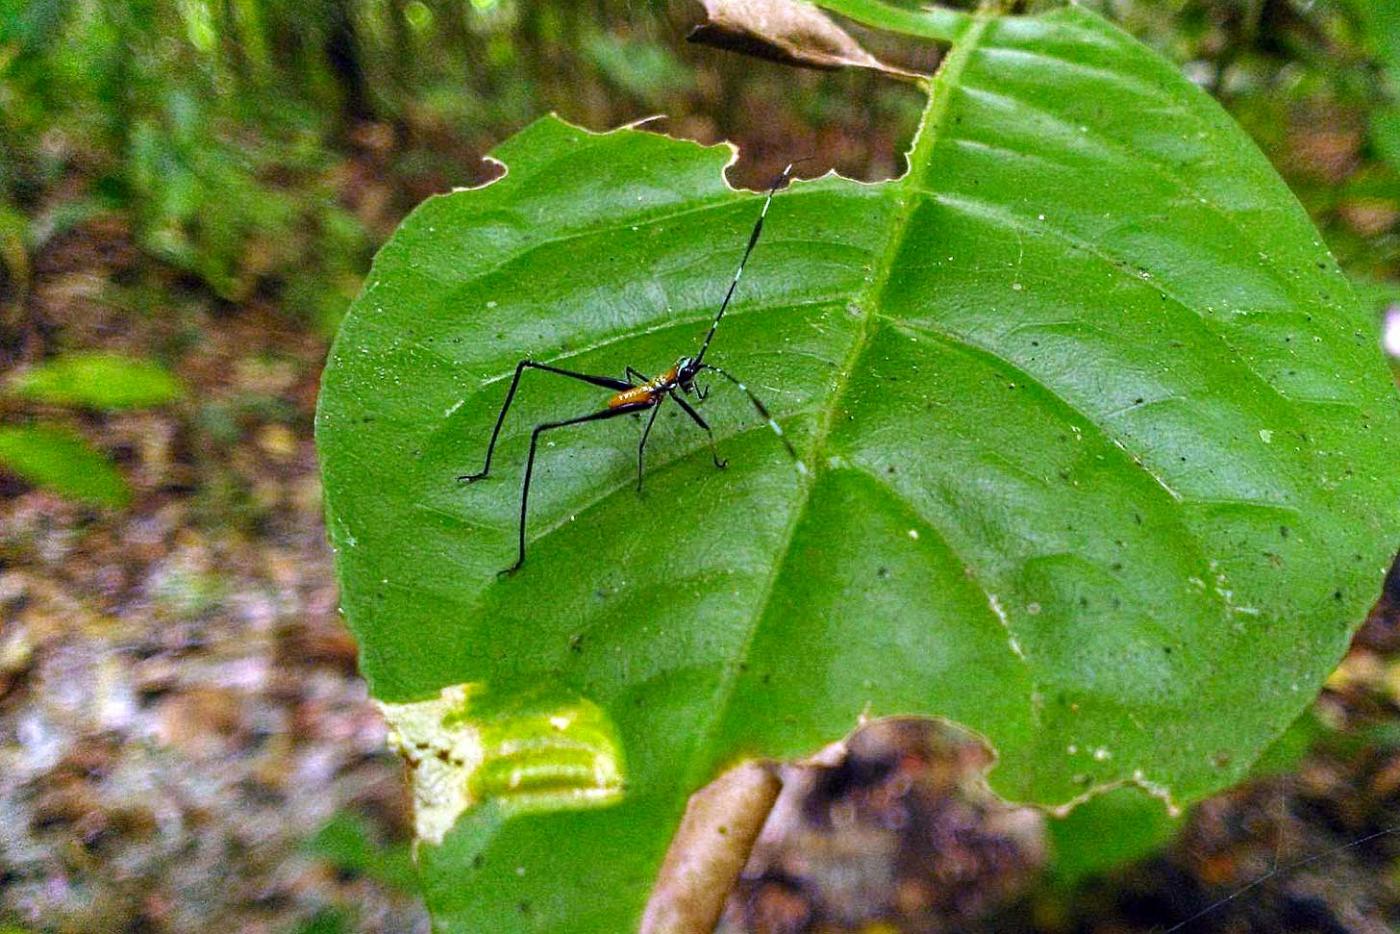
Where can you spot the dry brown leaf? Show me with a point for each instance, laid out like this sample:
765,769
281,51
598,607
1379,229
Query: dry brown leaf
721,822
786,31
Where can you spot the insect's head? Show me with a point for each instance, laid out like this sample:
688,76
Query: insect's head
686,371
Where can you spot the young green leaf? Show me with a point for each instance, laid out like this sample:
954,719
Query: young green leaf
1101,456
57,459
103,381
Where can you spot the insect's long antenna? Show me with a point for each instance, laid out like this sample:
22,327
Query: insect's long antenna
767,416
753,239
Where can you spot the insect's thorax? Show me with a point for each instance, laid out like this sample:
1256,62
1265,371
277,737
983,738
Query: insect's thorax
665,380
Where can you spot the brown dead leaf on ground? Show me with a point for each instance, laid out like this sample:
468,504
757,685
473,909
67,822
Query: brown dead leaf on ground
788,32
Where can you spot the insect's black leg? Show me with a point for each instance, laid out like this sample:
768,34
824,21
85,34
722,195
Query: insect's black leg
607,382
641,448
530,464
763,411
695,417
636,376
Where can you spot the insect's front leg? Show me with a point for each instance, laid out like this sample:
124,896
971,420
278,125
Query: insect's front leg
695,417
763,412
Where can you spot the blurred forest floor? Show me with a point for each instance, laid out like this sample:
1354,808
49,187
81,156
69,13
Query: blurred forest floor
184,742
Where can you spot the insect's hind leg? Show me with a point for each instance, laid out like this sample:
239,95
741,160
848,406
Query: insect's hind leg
530,464
607,382
720,462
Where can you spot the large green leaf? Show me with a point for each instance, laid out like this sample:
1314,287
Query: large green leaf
1102,466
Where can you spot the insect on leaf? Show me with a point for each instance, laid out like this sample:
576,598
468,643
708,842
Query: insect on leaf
1101,451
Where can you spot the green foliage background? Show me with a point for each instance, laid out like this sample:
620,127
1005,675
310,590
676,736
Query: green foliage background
219,127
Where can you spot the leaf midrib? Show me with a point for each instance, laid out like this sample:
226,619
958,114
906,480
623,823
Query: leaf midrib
906,188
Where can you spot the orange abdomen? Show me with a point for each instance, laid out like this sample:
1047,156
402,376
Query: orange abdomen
648,393
634,396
